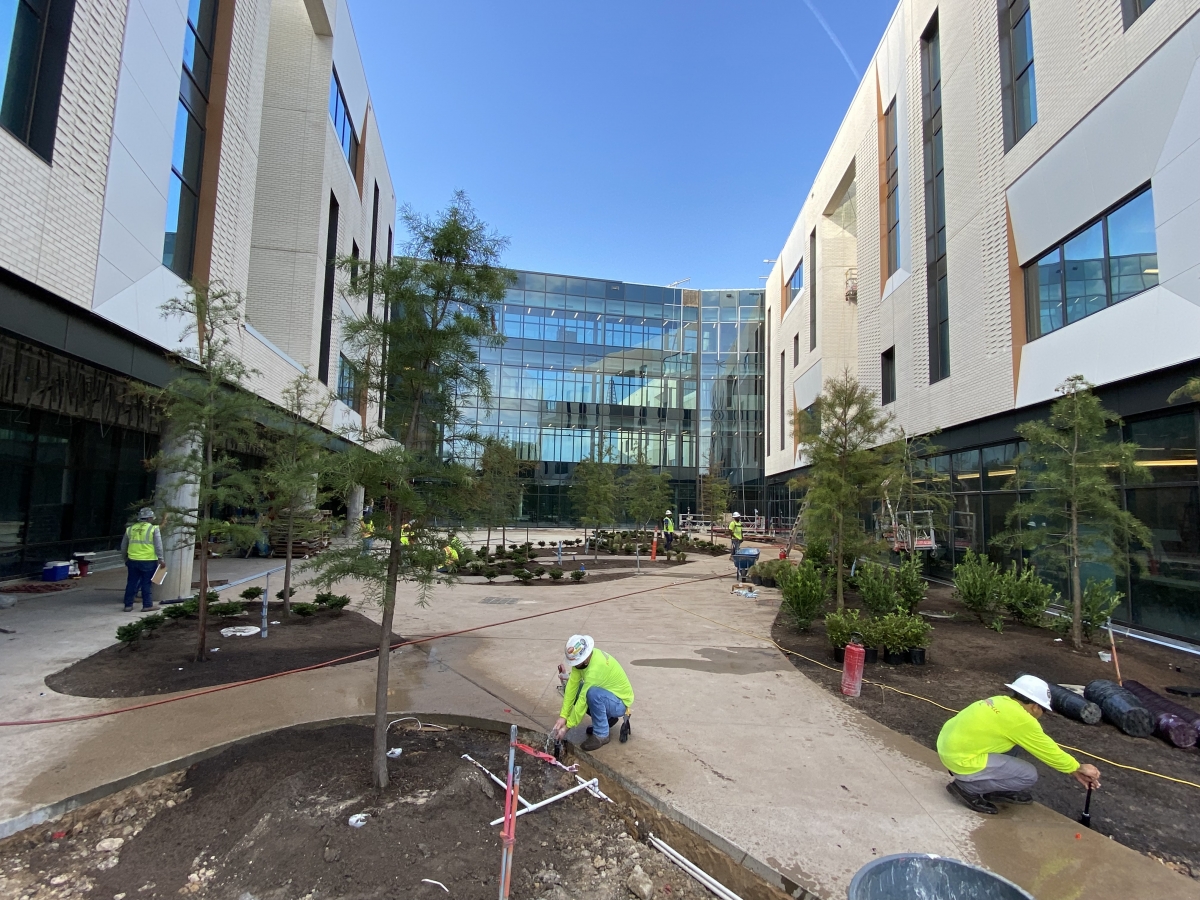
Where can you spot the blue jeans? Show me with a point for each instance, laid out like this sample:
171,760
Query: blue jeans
602,705
140,572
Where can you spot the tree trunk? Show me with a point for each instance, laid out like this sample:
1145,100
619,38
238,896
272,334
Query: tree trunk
379,771
287,565
1076,587
840,562
487,548
205,537
504,535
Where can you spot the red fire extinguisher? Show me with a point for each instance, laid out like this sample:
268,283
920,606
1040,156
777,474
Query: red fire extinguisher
852,666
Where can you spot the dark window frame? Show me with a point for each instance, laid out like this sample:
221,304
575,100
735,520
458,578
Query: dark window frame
29,111
796,349
796,282
331,242
891,138
782,401
1132,10
1011,15
937,285
887,376
812,290
343,122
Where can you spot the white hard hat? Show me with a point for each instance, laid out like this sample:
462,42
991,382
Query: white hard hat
1032,688
579,648
737,515
668,512
145,514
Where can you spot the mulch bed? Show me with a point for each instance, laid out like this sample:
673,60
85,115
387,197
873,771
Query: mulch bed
163,663
37,587
967,662
269,819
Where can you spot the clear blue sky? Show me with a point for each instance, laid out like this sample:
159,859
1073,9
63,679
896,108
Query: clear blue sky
647,141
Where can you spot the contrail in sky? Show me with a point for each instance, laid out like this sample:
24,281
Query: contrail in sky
833,37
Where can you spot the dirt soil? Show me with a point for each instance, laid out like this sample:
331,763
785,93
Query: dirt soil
162,663
268,820
967,662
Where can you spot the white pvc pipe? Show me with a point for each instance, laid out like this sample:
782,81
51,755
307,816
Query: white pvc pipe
594,789
482,768
695,871
587,785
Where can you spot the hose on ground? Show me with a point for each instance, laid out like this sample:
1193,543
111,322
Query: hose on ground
1120,707
1173,723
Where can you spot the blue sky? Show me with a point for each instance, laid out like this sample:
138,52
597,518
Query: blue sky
647,141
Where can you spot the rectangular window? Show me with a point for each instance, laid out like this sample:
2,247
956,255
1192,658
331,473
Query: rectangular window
892,176
34,35
331,242
346,390
1105,262
343,125
887,367
937,287
782,404
1016,70
1132,9
796,349
812,290
796,284
354,265
187,154
767,375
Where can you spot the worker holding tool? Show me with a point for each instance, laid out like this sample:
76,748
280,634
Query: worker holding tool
735,533
974,746
668,528
597,686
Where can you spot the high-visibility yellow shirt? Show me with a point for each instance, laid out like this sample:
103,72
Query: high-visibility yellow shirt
668,525
451,554
368,530
602,671
735,529
141,541
996,725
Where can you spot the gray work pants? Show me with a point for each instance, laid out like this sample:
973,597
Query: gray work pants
1002,773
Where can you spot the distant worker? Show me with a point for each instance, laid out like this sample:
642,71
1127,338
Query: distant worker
367,530
735,533
142,549
668,530
597,686
975,743
451,562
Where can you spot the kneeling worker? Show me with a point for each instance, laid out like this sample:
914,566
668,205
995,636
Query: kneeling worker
598,687
973,746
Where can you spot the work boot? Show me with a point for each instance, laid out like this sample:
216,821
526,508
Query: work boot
1018,797
977,802
595,743
611,723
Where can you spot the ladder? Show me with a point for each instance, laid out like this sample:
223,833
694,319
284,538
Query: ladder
796,538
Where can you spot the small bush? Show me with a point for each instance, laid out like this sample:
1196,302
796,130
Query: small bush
539,572
523,575
680,556
839,626
490,573
556,573
1100,600
323,598
541,543
279,593
1025,596
475,568
153,621
175,611
512,547
304,609
894,631
803,593
252,593
465,555
227,609
917,632
130,633
340,602
976,586
877,588
578,575
909,585
190,607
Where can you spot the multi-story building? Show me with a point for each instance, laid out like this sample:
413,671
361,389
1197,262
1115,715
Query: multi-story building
147,143
626,372
1012,198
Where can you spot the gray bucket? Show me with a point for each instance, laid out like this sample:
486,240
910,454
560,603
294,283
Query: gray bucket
923,876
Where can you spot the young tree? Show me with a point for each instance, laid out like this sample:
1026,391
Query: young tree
1074,514
645,493
715,494
840,440
500,490
594,493
418,359
296,460
208,414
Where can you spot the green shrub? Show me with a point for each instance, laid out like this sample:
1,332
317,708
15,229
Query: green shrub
175,610
556,573
1100,600
578,575
341,601
541,543
839,626
252,593
917,633
475,568
153,621
680,556
803,593
130,633
818,552
539,571
490,573
323,598
1025,596
976,586
877,588
895,631
304,609
910,586
227,609
191,607
465,555
523,575
279,594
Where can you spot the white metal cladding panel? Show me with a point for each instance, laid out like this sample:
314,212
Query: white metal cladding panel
50,215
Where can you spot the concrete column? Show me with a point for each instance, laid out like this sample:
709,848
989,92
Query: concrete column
177,493
354,508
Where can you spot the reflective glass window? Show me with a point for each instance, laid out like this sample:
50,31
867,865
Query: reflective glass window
1132,248
999,467
1165,576
535,282
966,471
1166,446
1083,263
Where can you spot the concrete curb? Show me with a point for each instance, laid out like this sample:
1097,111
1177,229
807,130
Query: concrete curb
684,824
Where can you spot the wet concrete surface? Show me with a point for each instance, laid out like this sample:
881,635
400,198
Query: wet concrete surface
725,731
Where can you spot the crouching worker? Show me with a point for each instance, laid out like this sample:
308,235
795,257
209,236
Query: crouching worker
975,743
598,687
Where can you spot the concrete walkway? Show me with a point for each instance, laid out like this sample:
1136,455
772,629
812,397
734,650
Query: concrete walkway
726,731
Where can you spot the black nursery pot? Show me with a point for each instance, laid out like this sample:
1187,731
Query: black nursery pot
895,658
872,655
916,656
839,655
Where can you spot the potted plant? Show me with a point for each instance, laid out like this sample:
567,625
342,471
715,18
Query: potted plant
839,626
918,639
872,634
893,636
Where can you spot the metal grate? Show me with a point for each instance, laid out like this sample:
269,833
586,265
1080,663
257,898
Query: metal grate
499,601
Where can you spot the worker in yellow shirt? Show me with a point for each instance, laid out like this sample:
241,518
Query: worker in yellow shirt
142,550
597,687
668,527
975,743
735,533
